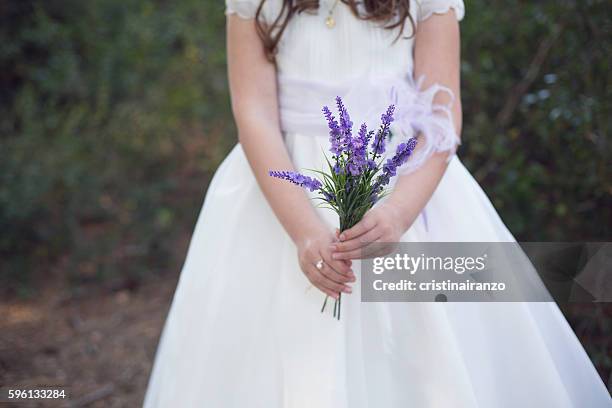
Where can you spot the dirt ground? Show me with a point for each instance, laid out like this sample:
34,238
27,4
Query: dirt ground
101,345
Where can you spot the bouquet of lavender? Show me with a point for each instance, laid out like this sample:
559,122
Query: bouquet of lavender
357,173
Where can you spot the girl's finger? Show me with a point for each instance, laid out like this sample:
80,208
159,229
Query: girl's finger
358,229
359,242
370,250
316,280
379,248
354,254
330,293
324,281
334,275
340,267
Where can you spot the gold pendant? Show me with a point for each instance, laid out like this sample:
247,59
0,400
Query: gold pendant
330,22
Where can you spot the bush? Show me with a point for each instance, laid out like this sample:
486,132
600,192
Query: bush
536,101
102,102
114,112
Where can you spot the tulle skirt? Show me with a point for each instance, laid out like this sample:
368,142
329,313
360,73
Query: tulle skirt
245,328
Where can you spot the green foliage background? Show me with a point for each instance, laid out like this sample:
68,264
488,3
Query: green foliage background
111,112
114,114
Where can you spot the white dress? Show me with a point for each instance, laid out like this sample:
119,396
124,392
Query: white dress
243,331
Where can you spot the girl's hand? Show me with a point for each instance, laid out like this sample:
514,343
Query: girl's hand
334,275
375,235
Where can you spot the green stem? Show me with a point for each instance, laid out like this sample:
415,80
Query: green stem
324,303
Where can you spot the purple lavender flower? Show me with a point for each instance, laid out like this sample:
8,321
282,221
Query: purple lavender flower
353,169
403,152
369,136
374,197
357,151
310,183
335,132
338,169
360,146
378,145
349,185
346,125
328,196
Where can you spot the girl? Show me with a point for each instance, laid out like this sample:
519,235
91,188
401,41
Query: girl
244,329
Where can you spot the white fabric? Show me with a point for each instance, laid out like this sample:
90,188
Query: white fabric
243,8
244,331
366,98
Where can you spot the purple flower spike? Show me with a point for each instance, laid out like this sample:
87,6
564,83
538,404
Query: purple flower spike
346,126
335,132
403,152
369,136
361,145
378,145
310,183
328,196
353,169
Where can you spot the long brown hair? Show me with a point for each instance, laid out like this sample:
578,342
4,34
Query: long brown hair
391,13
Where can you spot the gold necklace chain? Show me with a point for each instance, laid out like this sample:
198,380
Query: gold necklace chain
330,22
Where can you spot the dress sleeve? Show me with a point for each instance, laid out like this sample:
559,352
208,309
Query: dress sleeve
426,8
243,8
